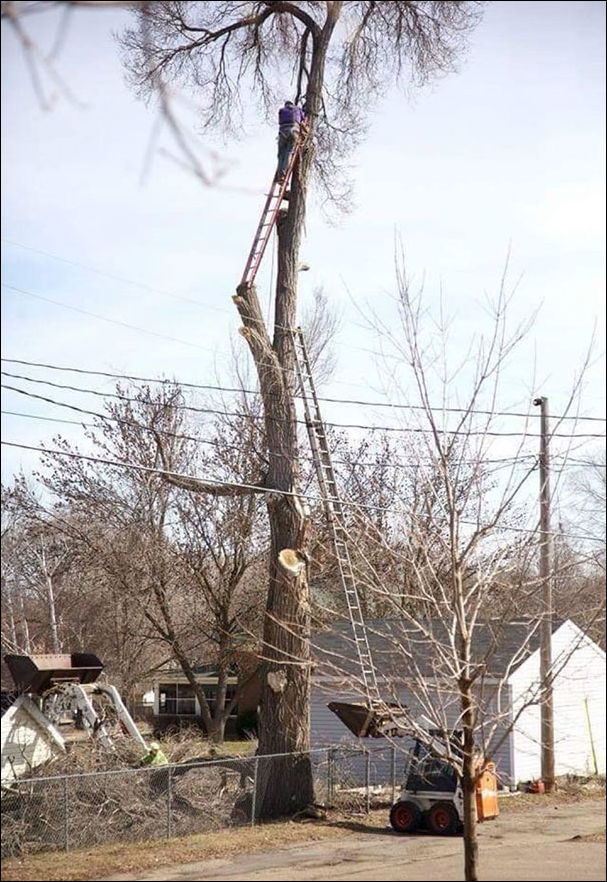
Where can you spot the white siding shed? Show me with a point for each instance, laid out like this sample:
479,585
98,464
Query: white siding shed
579,691
579,707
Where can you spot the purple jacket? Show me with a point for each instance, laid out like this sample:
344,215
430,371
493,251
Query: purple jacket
290,118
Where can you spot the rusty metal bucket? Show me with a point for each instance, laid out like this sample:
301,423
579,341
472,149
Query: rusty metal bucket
367,722
37,673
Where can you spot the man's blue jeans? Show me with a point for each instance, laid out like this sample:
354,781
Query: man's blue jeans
286,143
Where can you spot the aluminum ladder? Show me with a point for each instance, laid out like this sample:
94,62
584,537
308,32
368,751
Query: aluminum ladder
323,466
268,218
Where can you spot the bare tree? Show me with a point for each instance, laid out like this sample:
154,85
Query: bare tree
44,70
589,487
374,473
223,545
180,577
40,559
61,541
338,57
452,640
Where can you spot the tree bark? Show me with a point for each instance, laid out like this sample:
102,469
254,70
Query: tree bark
26,630
50,596
469,786
11,619
285,785
217,730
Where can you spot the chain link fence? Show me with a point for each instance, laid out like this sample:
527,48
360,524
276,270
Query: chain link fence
127,805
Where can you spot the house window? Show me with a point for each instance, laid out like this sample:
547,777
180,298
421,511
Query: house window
210,693
176,699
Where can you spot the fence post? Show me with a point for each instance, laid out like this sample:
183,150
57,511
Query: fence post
330,757
367,780
66,816
254,799
393,774
170,802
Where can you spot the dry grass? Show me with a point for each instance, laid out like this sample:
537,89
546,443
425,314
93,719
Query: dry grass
107,860
568,790
187,744
237,748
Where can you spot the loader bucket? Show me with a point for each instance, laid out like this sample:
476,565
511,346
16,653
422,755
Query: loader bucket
367,722
37,673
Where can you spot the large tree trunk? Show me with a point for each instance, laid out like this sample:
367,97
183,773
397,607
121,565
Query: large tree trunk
285,785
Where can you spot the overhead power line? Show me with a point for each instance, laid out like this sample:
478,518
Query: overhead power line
510,461
393,464
256,488
162,336
114,276
132,327
104,318
210,387
223,444
369,427
142,285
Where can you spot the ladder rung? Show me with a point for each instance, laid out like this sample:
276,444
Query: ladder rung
327,480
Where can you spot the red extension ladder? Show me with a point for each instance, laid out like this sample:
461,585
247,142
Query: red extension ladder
268,219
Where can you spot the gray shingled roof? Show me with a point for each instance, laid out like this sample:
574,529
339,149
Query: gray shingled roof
398,649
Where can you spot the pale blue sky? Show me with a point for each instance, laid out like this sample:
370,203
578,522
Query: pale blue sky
510,150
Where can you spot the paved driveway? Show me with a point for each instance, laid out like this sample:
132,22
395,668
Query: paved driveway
535,845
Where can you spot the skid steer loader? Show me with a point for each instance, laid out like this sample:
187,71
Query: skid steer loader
431,797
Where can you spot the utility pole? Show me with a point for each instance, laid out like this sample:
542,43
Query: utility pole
546,551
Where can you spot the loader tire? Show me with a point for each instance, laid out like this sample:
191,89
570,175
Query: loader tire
442,819
405,816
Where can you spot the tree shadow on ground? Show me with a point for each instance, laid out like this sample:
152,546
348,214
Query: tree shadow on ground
383,829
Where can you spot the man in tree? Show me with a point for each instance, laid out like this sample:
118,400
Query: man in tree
291,119
340,57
